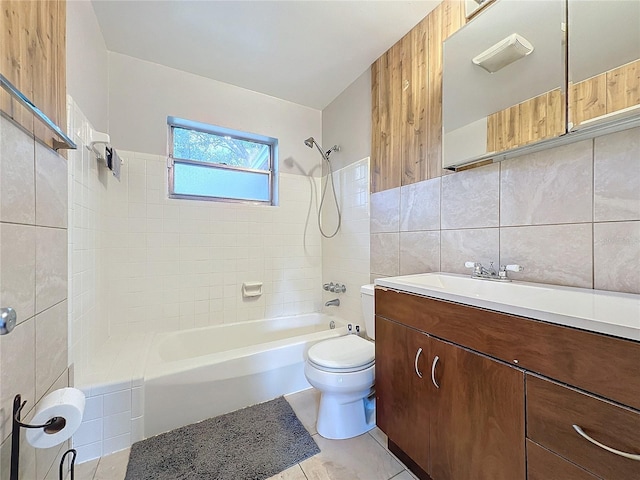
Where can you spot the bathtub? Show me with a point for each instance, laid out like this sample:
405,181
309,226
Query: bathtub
192,375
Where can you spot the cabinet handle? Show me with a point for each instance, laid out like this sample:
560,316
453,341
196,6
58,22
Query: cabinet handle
415,363
631,456
433,371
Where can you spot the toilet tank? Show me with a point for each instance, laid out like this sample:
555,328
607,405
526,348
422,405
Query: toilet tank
368,306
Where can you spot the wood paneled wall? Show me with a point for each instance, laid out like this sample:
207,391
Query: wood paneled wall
406,94
33,58
608,92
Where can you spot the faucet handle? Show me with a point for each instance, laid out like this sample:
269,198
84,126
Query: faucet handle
477,267
514,268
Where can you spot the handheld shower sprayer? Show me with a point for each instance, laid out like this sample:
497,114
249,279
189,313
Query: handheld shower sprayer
310,142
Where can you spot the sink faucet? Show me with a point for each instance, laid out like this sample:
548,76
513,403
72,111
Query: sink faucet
333,303
490,273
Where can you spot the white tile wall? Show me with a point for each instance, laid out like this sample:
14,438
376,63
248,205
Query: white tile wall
112,420
345,257
174,264
85,180
140,262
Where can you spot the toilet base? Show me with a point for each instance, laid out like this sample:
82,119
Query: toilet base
342,416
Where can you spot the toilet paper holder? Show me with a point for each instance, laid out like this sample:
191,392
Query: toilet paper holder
52,425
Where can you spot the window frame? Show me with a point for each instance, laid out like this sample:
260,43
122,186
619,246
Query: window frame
272,173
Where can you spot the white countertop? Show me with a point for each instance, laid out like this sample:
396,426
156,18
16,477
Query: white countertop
610,313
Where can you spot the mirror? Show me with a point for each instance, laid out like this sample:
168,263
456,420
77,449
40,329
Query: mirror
523,100
604,61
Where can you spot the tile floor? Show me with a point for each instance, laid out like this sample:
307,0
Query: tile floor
361,458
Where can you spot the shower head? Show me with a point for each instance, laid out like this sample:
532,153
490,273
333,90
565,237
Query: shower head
310,142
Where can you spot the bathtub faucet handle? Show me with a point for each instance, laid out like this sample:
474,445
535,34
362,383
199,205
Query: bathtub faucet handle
338,288
328,287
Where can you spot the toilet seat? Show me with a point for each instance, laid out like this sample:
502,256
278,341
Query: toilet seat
345,354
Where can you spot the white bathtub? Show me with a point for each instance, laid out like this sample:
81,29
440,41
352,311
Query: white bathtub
195,374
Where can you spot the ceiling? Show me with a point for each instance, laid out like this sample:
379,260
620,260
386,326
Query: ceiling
303,51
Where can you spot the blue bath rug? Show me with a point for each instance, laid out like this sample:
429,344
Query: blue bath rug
254,443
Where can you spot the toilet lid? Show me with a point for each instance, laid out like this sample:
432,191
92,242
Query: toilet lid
346,352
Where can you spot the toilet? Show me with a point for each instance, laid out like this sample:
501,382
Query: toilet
343,369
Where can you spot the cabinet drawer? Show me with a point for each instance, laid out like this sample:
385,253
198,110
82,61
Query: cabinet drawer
552,412
544,465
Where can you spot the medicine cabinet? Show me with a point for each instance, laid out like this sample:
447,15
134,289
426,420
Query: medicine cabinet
523,76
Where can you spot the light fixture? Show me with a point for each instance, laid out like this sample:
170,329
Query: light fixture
506,51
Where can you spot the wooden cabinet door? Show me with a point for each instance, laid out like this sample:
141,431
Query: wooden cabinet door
477,417
401,395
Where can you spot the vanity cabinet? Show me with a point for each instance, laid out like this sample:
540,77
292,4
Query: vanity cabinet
554,409
477,417
456,414
402,388
543,465
493,371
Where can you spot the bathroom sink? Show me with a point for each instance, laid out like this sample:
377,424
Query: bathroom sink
600,311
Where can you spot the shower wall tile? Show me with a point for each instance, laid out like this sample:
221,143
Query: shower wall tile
470,199
17,186
540,211
51,267
385,258
48,459
18,371
18,268
175,264
616,252
420,206
548,187
20,288
419,252
51,188
385,211
556,254
617,176
27,458
469,245
51,346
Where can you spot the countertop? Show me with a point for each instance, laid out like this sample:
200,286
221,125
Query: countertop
609,313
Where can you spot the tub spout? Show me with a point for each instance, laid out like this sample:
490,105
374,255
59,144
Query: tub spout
333,303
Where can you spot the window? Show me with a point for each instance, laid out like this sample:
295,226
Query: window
207,162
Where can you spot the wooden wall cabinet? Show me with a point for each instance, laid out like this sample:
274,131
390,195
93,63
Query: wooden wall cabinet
582,80
604,61
406,98
33,59
492,371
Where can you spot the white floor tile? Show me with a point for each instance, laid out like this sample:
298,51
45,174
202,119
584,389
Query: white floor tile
113,467
305,406
293,473
355,458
